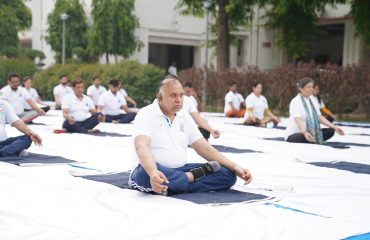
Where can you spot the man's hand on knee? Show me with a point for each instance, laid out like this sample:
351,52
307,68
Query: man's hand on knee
243,173
157,178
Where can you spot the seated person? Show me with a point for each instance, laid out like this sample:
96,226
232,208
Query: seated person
14,146
189,91
130,102
233,101
79,111
95,90
16,96
162,133
305,118
60,91
258,112
27,85
319,102
111,102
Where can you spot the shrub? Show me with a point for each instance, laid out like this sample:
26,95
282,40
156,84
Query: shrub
23,67
344,89
140,80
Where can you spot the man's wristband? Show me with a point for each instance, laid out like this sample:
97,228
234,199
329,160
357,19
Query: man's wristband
236,166
30,134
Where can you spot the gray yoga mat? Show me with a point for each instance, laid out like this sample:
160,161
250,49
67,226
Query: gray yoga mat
36,160
220,197
347,166
227,149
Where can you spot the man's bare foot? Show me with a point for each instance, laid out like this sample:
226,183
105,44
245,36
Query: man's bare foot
94,130
101,118
115,121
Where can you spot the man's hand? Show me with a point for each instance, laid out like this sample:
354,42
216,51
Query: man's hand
36,139
215,134
157,178
253,118
71,120
41,112
243,173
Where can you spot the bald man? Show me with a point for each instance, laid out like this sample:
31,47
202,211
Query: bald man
162,132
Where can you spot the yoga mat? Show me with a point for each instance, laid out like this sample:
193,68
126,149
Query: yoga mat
221,197
353,125
226,149
329,144
108,134
34,159
347,166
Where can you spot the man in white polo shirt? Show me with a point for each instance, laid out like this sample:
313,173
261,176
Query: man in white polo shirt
258,112
79,111
162,133
95,90
61,90
14,146
131,103
112,102
233,102
17,95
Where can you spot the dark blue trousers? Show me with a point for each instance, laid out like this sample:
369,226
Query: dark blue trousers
178,181
83,126
14,145
121,118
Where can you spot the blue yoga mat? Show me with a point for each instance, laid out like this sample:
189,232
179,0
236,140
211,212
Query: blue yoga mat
221,197
347,166
108,134
226,149
329,144
36,160
353,125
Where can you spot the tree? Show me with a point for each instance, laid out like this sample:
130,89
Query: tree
360,12
295,23
113,28
15,17
76,27
229,15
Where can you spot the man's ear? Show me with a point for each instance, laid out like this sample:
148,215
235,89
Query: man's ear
159,97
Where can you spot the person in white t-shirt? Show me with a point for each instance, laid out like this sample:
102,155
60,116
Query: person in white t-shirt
95,90
189,91
233,102
16,96
14,146
316,98
79,111
305,118
130,101
60,91
27,85
172,70
258,112
112,102
161,135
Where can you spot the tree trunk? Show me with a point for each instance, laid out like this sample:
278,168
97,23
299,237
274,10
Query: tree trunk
107,58
223,37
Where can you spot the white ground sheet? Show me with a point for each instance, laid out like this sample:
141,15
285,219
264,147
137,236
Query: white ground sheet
46,202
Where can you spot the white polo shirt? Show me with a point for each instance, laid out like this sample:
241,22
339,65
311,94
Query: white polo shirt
15,98
258,105
192,98
123,92
95,93
296,109
111,103
168,142
235,98
78,109
33,94
188,105
62,91
7,115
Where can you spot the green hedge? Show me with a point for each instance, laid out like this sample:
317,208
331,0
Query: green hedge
23,67
140,80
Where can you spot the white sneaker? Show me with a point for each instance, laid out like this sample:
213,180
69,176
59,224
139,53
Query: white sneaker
24,153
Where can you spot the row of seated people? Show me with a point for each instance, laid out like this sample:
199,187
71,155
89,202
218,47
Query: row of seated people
306,112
